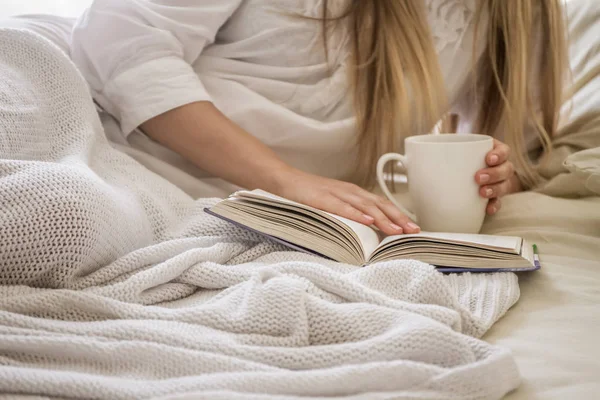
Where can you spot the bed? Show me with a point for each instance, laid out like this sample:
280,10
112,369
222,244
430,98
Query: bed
552,330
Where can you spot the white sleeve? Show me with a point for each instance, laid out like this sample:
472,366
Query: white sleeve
137,55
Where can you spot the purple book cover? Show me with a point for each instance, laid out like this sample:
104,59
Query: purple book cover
312,252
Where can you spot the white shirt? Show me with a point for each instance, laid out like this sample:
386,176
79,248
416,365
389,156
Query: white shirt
263,69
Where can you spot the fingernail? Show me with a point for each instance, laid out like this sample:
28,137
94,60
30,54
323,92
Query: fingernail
494,159
483,178
368,217
396,227
412,225
493,210
488,192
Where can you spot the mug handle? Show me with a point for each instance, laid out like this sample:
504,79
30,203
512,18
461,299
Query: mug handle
383,160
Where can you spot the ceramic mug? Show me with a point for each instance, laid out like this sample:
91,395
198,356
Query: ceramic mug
441,180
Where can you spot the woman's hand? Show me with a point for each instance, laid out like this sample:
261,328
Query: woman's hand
343,199
499,178
208,139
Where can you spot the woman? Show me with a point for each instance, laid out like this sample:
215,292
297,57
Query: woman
301,97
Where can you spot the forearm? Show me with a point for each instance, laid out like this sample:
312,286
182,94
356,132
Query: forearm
203,135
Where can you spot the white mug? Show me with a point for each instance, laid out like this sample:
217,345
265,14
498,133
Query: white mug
441,180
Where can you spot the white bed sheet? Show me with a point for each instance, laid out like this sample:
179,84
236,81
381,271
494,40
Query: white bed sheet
554,329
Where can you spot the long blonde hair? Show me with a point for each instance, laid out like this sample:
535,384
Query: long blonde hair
398,85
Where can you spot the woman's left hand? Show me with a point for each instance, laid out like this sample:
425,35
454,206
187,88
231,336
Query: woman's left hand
499,178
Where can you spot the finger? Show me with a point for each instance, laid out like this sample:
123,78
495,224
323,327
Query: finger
392,212
366,205
396,216
494,206
497,174
336,206
497,190
358,196
498,154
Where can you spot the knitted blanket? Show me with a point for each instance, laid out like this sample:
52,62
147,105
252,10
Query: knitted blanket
116,285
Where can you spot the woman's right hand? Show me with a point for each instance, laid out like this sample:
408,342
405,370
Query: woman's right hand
206,137
344,199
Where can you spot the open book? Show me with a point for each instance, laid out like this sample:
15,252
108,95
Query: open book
314,231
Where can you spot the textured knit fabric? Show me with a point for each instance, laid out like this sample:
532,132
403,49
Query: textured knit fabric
116,284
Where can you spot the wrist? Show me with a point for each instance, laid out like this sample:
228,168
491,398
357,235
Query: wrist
278,177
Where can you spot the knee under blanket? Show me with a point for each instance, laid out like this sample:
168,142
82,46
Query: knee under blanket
115,284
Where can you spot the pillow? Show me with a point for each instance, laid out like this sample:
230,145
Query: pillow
585,165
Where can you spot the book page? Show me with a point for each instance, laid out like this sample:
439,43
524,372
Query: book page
527,252
295,220
297,238
368,237
511,243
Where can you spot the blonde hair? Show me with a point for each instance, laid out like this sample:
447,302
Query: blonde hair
394,57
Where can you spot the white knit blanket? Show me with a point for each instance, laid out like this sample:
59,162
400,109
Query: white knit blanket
116,285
